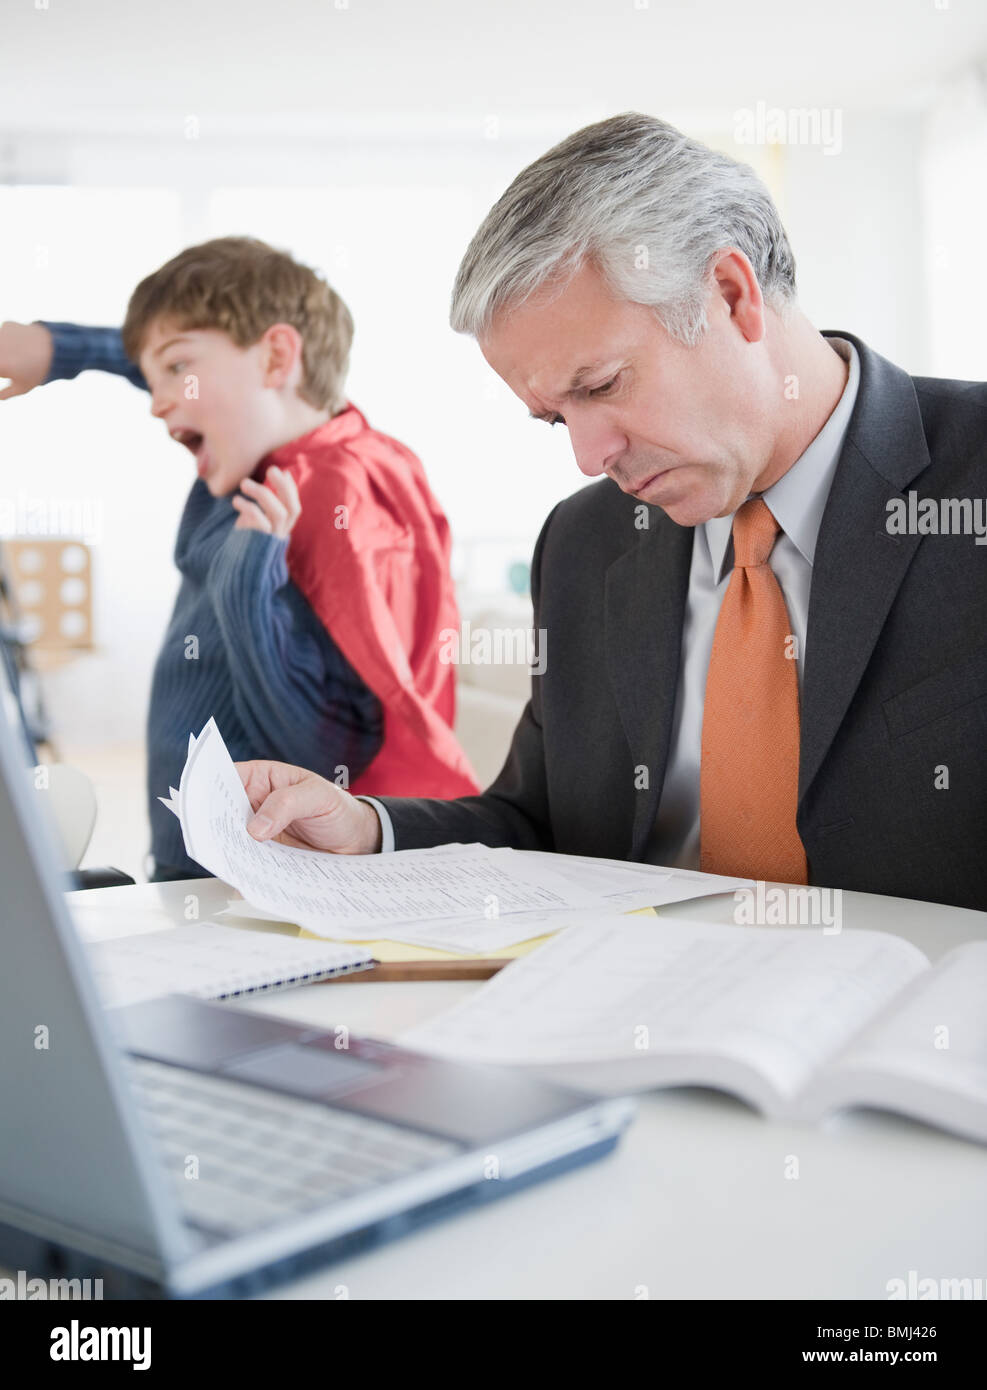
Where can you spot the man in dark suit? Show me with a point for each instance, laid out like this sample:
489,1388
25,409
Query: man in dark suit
764,635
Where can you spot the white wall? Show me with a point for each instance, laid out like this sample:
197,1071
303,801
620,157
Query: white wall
954,172
76,254
856,224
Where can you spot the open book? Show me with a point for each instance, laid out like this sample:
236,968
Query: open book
795,1022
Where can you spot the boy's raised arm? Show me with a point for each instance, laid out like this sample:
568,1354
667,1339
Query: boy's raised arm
78,347
32,354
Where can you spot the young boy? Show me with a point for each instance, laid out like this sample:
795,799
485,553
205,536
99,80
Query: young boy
314,558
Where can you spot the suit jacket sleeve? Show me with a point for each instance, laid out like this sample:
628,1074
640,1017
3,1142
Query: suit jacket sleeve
513,811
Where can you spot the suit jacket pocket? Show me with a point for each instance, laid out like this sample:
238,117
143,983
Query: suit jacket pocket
961,683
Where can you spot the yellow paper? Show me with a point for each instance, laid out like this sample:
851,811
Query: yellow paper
402,951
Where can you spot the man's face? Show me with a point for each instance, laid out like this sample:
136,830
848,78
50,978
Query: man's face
212,397
683,428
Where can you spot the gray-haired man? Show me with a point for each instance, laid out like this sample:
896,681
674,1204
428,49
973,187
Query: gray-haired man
751,665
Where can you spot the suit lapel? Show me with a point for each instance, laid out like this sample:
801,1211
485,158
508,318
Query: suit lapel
645,605
858,566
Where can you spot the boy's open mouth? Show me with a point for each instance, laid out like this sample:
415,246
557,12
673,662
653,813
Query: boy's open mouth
189,438
194,442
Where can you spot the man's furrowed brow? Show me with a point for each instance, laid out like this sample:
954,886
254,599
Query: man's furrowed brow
580,375
579,378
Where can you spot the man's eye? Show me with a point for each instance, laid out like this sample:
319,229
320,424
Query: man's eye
607,386
175,366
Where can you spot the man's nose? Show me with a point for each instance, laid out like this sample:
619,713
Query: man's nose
594,443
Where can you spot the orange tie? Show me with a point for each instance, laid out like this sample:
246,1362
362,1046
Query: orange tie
750,744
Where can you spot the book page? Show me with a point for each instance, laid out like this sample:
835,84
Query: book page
778,1001
926,1054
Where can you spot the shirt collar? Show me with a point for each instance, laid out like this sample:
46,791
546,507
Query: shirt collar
333,431
798,499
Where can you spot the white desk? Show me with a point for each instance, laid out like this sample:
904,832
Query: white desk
695,1202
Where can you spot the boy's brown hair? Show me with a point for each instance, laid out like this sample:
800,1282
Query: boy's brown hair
241,287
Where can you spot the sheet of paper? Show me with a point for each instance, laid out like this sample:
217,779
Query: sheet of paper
781,1000
462,939
449,935
346,895
462,899
398,951
616,887
459,940
489,938
624,886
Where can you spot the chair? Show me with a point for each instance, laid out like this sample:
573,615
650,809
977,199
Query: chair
69,799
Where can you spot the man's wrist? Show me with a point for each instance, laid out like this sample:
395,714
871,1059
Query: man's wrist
383,831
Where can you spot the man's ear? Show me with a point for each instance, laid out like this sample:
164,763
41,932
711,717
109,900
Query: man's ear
737,292
282,345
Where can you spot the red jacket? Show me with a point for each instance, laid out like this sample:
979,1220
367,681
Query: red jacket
370,552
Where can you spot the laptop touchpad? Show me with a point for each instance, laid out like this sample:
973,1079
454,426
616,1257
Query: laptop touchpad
305,1071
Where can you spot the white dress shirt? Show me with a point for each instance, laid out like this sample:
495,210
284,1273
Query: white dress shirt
797,501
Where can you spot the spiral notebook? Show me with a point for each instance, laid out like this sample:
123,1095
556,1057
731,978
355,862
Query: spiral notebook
210,961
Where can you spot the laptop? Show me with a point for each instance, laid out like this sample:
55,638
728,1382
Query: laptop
188,1149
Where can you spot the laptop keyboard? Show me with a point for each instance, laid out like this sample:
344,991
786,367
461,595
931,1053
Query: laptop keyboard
262,1157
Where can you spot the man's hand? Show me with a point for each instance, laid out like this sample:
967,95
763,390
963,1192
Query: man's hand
302,809
274,512
25,356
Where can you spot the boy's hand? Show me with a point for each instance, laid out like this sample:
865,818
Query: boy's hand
274,512
25,356
302,809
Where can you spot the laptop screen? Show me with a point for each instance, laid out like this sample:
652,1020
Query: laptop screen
72,1158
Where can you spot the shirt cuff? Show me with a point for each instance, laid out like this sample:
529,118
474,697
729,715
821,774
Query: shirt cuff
78,348
386,828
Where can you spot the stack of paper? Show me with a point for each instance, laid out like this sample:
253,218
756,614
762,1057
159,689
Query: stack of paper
461,898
